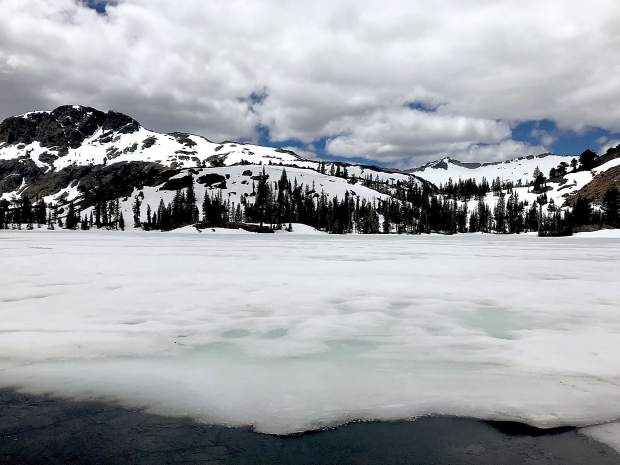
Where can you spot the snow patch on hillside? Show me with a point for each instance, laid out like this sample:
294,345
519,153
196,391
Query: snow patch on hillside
606,166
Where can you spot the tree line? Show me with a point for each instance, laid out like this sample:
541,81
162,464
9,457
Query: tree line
407,207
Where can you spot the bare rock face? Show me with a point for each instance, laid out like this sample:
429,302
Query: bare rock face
183,138
211,179
65,127
14,172
611,154
595,190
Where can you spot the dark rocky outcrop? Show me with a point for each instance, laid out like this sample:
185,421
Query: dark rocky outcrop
211,179
120,123
120,179
217,160
149,142
595,190
52,182
65,127
611,154
177,183
93,182
14,172
183,138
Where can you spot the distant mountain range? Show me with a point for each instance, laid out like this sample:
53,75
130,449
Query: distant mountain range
81,156
604,173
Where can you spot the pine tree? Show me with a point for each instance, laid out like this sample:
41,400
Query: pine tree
72,218
178,210
531,221
474,222
25,213
98,215
162,216
4,213
136,212
262,198
104,214
55,218
514,216
499,213
41,213
50,222
539,180
582,211
587,160
611,207
148,217
484,215
117,212
387,227
191,211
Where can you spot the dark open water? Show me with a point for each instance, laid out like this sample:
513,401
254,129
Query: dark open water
43,430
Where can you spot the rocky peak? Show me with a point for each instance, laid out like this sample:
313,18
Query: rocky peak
65,127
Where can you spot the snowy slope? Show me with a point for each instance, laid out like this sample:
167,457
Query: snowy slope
520,172
239,183
559,193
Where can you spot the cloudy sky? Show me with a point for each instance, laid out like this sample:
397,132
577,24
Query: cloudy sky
395,82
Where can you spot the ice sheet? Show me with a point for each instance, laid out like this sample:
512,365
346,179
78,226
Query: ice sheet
292,332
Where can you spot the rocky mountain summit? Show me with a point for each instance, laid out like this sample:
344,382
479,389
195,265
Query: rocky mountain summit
77,135
64,128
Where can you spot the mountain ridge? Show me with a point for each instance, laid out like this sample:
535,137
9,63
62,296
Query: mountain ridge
81,157
443,162
76,157
73,134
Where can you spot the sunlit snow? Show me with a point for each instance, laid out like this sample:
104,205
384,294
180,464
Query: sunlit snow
293,332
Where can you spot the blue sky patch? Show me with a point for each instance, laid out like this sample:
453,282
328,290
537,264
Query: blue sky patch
98,5
564,142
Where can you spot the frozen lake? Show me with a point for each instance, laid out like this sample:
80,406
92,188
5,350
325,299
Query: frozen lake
292,332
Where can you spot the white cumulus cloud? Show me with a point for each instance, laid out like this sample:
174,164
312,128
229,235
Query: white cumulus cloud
340,71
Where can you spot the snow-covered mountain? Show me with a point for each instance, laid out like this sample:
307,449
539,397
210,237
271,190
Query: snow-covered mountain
85,158
515,170
76,135
562,185
75,153
83,136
